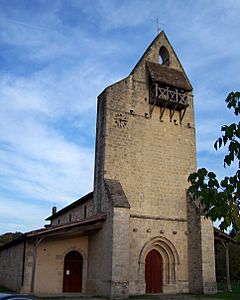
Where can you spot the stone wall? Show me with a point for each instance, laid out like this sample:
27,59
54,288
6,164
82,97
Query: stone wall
169,238
77,213
194,248
201,251
11,266
100,256
120,253
109,248
99,190
208,256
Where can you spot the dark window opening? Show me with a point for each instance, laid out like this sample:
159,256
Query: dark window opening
70,217
85,211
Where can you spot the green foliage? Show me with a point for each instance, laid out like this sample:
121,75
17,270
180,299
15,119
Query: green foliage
9,236
221,200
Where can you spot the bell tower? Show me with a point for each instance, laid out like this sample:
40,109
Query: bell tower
146,135
145,148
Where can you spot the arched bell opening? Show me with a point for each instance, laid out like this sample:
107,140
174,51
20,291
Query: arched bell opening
164,56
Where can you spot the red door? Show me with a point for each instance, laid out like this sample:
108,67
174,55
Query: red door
153,272
72,277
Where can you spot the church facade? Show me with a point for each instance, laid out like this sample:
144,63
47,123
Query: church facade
137,232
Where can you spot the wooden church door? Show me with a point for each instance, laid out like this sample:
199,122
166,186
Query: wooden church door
72,277
153,272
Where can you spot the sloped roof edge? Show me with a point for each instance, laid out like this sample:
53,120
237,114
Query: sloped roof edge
70,206
169,76
116,193
42,231
161,33
220,235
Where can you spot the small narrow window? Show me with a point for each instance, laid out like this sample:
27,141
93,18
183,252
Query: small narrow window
58,221
70,217
85,211
164,56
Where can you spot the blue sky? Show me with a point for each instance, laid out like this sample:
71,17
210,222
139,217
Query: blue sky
57,56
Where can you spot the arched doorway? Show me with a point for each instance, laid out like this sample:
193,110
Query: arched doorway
153,272
72,276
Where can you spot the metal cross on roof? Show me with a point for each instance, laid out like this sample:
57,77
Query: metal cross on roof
158,24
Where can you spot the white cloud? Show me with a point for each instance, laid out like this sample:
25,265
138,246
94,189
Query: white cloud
41,155
20,216
37,157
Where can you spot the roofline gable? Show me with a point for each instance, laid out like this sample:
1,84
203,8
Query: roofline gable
146,51
161,35
70,206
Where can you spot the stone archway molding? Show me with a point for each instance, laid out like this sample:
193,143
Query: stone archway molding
169,255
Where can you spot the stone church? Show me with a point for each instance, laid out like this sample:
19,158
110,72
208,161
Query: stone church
137,232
